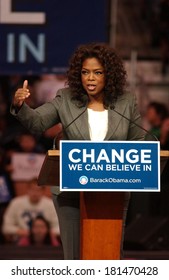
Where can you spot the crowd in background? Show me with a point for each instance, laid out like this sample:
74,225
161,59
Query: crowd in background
18,207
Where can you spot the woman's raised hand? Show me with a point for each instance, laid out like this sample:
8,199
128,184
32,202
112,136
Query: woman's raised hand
21,94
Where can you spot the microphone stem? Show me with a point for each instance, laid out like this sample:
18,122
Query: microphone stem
152,135
78,116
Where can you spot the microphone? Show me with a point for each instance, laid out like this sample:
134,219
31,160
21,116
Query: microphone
112,107
69,124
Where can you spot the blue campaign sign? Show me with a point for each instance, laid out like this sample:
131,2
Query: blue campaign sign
39,36
109,166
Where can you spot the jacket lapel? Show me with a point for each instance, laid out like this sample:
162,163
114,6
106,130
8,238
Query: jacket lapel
80,123
114,118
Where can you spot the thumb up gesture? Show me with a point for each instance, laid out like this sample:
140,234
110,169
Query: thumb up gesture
21,94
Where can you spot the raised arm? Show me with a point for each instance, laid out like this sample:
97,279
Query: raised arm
35,120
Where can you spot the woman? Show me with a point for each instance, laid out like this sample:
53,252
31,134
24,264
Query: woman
39,234
96,84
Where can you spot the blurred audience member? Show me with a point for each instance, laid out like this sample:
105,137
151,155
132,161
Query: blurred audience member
21,210
164,137
39,234
27,143
23,142
6,185
6,191
157,116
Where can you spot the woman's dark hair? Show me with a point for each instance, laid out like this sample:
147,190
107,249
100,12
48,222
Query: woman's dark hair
115,74
47,240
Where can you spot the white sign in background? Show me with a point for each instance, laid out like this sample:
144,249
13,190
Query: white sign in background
26,166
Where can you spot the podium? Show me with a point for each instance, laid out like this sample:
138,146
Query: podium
101,213
101,225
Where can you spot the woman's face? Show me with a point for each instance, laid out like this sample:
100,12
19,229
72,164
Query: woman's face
152,117
39,231
93,77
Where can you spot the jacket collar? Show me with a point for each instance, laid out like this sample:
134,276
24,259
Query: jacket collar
81,122
114,119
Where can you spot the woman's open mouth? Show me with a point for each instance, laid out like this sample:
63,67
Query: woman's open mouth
91,87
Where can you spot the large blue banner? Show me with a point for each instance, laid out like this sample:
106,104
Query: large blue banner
109,166
39,36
